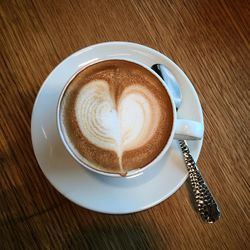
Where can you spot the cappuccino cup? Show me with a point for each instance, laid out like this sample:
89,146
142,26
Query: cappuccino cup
117,118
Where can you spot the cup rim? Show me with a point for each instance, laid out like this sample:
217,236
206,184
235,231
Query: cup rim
131,173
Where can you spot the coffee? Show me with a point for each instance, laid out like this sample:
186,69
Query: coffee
116,116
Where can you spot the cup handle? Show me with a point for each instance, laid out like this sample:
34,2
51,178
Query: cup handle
188,130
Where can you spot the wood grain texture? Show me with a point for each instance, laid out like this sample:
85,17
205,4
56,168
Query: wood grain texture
209,40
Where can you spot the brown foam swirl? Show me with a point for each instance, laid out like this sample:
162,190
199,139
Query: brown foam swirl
118,111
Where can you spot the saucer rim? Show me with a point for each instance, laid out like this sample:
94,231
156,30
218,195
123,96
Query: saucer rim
150,204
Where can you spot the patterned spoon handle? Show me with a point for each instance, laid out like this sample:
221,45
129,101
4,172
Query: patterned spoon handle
206,205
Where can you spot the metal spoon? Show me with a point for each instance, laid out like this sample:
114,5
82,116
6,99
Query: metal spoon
206,205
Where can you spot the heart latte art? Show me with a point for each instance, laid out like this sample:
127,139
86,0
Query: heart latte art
116,116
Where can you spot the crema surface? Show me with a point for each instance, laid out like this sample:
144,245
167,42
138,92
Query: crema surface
116,116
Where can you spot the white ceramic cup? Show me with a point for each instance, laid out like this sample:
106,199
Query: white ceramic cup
182,129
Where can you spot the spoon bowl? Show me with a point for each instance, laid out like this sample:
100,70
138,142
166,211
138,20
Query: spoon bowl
170,82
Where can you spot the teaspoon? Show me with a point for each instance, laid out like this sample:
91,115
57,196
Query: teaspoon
205,202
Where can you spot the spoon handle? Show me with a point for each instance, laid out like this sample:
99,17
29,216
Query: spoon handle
206,205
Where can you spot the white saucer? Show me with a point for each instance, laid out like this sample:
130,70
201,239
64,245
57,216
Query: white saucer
101,193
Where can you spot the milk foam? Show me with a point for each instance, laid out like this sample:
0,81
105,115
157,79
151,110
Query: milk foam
137,117
121,126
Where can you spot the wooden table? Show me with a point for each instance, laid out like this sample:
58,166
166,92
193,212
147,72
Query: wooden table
209,40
